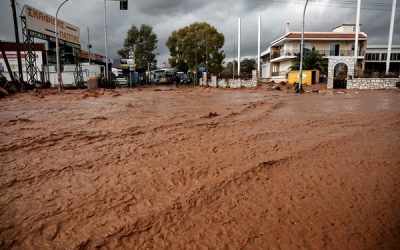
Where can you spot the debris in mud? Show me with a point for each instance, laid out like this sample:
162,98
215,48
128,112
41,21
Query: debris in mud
17,121
96,119
99,118
210,115
98,92
3,92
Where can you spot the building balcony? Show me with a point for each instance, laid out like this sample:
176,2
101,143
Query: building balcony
279,74
279,56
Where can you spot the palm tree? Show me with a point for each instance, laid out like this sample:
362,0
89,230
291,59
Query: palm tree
312,60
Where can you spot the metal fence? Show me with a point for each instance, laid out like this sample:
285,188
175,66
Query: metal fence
375,74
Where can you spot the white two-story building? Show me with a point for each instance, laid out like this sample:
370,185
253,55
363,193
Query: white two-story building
337,46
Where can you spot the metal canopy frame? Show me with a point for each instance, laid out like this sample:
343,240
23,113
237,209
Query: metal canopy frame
30,56
78,76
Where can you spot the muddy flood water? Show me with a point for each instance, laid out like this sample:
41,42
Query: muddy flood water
200,168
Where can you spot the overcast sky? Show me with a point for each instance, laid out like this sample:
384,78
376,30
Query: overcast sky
168,15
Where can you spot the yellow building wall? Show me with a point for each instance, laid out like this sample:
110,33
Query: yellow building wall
293,77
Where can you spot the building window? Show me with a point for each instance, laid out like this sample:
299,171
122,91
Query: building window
335,50
306,48
395,57
354,28
383,56
372,56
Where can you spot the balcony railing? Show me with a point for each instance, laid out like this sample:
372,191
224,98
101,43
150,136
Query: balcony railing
280,73
282,53
340,52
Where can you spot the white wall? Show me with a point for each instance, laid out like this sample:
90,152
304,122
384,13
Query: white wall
266,70
12,60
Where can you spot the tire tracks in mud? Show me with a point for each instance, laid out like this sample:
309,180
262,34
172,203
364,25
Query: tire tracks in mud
144,230
34,143
156,222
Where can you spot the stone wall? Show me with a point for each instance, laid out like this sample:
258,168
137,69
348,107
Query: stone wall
372,83
233,84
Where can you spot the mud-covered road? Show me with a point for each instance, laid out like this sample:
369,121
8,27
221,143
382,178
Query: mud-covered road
200,168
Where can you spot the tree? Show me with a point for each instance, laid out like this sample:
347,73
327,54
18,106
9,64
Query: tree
143,42
312,60
247,66
228,70
198,40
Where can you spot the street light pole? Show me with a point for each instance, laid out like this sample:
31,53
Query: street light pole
259,50
302,49
59,77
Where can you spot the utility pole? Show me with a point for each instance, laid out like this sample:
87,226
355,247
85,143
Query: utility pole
233,62
21,77
390,36
105,39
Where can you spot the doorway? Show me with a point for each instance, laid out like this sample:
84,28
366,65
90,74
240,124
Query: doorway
340,76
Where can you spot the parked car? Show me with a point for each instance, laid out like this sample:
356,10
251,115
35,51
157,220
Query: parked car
185,79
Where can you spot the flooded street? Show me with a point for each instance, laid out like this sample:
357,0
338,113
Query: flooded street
199,168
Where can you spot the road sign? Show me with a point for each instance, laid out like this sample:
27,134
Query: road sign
41,25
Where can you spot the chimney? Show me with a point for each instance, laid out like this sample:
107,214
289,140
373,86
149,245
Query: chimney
287,28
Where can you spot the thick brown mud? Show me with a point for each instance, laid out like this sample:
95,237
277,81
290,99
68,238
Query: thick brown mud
200,168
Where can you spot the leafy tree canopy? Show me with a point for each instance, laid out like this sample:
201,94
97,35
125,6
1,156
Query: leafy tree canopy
247,66
312,60
198,40
143,42
229,67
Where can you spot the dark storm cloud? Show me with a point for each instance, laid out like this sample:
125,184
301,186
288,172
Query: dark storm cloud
168,8
169,15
